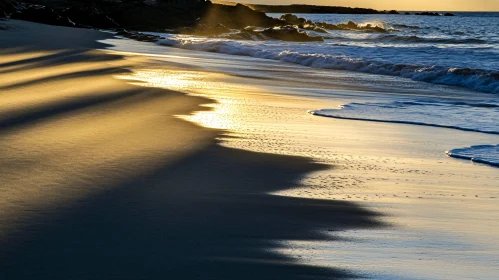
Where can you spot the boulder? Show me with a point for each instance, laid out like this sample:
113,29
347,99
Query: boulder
237,17
292,19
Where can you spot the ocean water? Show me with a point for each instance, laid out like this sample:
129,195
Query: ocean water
461,53
400,170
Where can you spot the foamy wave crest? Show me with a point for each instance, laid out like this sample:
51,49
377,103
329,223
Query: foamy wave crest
487,154
391,38
476,79
477,117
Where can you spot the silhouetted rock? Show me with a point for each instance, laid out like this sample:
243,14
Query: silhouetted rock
41,14
427,14
449,15
313,9
351,26
88,17
137,36
292,19
237,17
289,33
312,27
283,33
7,8
204,30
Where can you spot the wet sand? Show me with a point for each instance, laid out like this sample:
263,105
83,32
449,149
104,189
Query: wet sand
441,211
101,180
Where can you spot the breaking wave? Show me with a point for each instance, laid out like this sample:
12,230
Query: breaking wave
476,79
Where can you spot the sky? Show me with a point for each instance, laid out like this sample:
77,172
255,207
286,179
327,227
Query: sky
407,5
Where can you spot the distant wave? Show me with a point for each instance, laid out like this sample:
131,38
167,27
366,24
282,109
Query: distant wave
487,154
476,79
391,38
407,26
416,39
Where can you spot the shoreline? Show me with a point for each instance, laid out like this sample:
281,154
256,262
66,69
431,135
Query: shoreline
329,198
396,169
100,179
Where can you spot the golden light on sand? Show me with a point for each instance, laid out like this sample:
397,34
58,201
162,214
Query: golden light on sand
70,131
224,113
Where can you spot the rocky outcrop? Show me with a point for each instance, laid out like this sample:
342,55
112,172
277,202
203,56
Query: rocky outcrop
322,26
203,17
41,14
313,9
282,33
289,33
137,36
89,17
236,17
427,14
433,14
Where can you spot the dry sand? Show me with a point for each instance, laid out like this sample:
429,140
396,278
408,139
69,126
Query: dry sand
100,180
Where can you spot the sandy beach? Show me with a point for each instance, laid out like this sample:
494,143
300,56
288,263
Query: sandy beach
121,160
100,180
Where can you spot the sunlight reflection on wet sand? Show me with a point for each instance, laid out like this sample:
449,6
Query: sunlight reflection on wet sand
398,169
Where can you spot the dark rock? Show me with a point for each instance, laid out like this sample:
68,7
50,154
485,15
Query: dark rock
283,33
206,30
89,17
449,15
354,26
41,14
237,17
407,13
289,33
350,25
241,35
292,19
427,14
137,36
312,9
312,27
7,8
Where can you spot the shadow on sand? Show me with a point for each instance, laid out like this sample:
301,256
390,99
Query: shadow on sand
207,215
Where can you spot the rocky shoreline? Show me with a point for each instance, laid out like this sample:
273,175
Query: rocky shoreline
202,18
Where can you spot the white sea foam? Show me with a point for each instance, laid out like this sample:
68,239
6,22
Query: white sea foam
458,51
487,154
462,115
314,55
468,116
